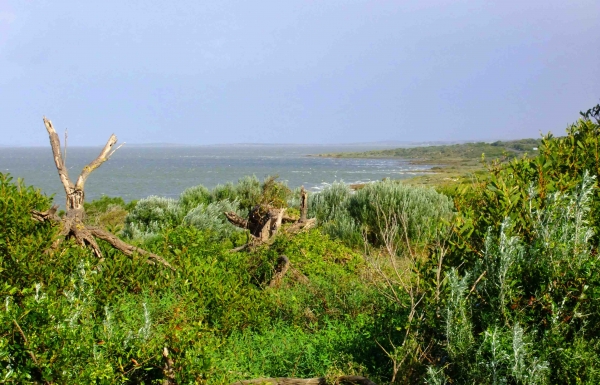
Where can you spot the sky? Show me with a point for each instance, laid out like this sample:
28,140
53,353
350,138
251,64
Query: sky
329,71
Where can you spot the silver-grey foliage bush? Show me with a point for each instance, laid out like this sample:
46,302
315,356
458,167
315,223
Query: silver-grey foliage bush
330,208
329,203
210,217
412,212
150,216
194,196
197,206
417,210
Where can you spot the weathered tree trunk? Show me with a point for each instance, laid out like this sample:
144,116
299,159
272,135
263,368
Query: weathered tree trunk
264,222
357,380
72,224
303,206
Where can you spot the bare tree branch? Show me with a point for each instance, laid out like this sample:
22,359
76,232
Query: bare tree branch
283,264
168,371
103,157
58,159
303,205
64,158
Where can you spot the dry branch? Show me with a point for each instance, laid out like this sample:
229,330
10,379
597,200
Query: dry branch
103,157
302,226
357,380
288,219
236,220
31,354
48,215
126,248
58,159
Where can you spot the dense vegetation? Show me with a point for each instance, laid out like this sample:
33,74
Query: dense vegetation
449,152
490,282
453,162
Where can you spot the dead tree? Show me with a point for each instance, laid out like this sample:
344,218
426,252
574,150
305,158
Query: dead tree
265,221
72,223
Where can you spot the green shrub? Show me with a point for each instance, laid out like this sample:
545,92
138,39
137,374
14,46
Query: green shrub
193,197
99,206
512,189
523,312
21,238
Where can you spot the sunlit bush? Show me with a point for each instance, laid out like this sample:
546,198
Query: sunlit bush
410,212
193,197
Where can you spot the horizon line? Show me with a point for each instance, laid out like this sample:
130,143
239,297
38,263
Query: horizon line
380,143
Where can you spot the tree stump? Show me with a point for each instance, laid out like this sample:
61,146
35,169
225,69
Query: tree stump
265,221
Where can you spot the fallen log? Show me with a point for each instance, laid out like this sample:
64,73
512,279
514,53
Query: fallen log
350,380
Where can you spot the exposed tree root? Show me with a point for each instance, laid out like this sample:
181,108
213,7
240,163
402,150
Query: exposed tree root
283,265
282,268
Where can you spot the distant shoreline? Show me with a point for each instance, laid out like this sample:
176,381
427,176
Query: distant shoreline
380,144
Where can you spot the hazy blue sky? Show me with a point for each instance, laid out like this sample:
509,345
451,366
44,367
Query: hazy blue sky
284,71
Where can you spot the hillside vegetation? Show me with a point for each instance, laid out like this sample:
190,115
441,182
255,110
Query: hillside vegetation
449,153
494,281
454,162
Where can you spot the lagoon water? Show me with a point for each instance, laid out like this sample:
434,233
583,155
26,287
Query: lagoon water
137,172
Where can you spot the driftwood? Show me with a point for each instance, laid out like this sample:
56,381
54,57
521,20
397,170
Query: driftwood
265,221
72,223
357,380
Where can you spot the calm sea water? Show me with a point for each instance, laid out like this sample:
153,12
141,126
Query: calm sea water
137,172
